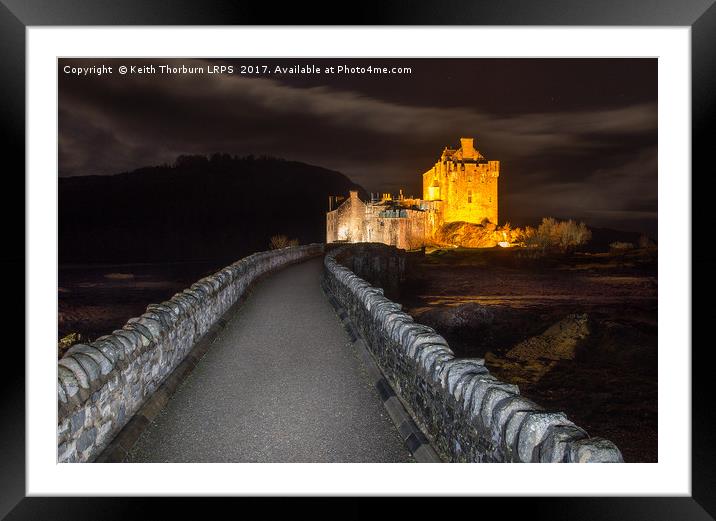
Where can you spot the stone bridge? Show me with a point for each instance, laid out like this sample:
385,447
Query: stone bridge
290,356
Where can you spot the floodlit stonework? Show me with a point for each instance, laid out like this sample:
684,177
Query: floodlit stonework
466,184
461,186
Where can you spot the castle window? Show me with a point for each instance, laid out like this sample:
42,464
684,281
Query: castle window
469,196
469,179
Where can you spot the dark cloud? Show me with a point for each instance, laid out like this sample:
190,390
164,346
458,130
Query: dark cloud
577,138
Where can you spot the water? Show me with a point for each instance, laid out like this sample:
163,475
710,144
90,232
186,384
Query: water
93,300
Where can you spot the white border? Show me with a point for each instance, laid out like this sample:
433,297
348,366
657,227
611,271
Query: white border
670,476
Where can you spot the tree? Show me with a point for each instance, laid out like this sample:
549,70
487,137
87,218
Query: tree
191,162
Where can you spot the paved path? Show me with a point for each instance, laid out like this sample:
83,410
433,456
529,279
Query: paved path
280,384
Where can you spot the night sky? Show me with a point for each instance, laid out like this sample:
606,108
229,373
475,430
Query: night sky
576,137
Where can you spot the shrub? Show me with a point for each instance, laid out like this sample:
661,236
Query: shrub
68,341
281,241
278,241
552,234
646,242
620,246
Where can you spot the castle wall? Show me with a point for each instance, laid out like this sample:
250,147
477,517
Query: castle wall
434,217
468,191
402,232
345,223
355,221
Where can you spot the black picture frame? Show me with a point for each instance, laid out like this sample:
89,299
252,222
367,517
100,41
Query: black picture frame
699,15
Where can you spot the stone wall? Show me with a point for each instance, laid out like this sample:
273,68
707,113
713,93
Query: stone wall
399,225
101,385
378,264
469,415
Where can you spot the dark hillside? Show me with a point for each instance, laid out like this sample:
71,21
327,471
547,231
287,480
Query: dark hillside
200,208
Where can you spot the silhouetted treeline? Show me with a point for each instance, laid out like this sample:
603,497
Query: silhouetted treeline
221,207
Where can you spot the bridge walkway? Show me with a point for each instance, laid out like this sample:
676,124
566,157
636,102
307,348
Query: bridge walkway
281,383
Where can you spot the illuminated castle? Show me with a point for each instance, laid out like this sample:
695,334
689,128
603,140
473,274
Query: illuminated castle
465,182
461,186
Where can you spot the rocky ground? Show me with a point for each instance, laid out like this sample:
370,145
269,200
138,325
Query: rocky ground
576,333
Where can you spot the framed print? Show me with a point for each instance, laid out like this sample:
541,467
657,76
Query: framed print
283,259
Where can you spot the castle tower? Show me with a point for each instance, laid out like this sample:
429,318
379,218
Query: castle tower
465,183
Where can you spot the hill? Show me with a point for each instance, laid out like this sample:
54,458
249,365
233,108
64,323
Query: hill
221,207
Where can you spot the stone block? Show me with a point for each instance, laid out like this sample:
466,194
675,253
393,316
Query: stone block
557,444
77,420
432,359
595,450
61,395
455,370
86,439
479,389
74,368
493,399
121,344
534,430
104,430
131,339
512,430
144,334
502,413
104,363
66,451
153,324
91,368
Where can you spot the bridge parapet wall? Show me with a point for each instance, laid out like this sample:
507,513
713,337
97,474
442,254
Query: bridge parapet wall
469,415
102,384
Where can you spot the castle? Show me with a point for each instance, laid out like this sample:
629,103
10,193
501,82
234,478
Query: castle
461,186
